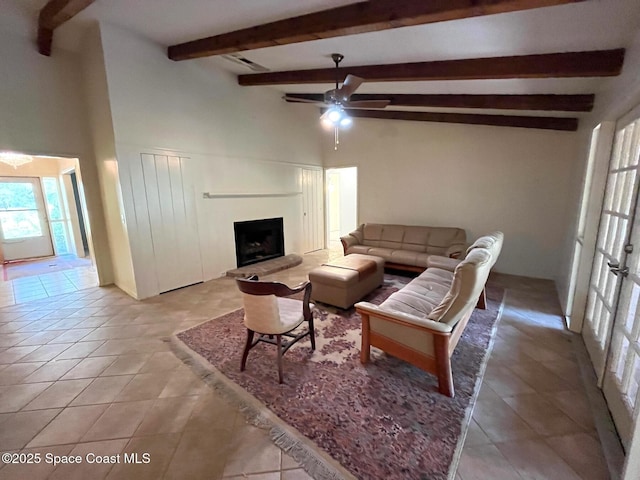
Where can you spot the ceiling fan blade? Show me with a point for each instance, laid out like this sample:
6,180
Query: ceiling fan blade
350,85
299,100
368,104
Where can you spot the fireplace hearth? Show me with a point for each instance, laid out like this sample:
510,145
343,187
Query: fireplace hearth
258,240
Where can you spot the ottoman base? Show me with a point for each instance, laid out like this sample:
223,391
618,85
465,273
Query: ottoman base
343,286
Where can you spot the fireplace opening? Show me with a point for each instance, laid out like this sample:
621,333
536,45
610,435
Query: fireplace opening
258,240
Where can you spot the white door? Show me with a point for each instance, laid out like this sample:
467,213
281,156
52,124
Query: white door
342,203
23,219
611,327
173,221
312,210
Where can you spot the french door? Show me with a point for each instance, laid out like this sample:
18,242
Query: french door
23,220
612,322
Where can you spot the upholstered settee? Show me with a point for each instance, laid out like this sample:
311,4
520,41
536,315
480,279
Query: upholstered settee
422,322
405,247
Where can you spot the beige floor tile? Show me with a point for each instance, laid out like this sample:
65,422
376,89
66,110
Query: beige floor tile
79,350
14,354
475,435
14,397
183,382
118,421
89,367
161,362
60,394
498,420
583,453
89,468
297,474
35,471
287,463
539,377
68,427
251,451
143,386
17,372
102,390
19,428
485,462
505,382
51,371
11,339
72,336
542,416
212,411
168,415
127,364
160,450
267,476
534,459
42,338
45,353
199,455
573,403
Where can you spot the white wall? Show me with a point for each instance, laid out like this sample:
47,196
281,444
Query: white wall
237,140
479,178
96,93
43,112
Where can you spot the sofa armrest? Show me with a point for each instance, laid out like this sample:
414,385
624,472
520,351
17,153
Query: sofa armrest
348,241
445,263
400,317
455,250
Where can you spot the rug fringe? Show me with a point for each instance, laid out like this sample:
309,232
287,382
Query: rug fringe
311,458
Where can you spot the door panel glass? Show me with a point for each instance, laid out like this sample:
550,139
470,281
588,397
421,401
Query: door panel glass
20,224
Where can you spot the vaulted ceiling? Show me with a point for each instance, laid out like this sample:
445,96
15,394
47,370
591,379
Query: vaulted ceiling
522,63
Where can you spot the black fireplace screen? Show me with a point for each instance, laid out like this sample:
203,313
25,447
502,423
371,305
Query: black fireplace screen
258,240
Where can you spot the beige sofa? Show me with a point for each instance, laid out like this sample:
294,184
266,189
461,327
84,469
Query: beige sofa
405,247
422,323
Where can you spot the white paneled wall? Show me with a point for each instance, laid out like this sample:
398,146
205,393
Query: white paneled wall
169,204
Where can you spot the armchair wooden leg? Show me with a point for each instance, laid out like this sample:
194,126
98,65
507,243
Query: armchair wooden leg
247,347
279,347
312,333
366,344
443,364
482,300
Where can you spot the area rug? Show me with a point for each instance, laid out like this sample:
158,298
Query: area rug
384,419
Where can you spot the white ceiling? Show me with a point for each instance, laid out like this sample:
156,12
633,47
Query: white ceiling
590,25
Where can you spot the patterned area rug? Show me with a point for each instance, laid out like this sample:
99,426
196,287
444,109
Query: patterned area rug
385,419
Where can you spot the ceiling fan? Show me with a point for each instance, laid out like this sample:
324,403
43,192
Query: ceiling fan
337,99
339,96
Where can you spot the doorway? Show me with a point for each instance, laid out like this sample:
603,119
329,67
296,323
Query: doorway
342,203
611,328
312,209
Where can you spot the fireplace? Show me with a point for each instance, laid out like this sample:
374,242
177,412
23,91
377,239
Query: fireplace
258,240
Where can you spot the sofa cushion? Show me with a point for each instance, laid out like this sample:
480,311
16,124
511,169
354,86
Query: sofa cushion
416,305
405,257
362,249
469,279
381,252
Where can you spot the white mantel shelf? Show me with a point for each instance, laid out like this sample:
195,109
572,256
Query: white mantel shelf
209,195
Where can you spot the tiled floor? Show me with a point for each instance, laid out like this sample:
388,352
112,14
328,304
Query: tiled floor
89,372
36,287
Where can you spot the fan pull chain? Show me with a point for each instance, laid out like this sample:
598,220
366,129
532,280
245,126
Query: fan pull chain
336,138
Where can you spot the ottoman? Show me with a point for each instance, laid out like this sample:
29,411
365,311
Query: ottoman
345,281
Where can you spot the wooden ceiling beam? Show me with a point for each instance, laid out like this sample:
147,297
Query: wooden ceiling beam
54,14
559,103
361,17
546,123
597,63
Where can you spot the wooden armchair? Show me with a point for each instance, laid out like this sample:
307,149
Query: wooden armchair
270,314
